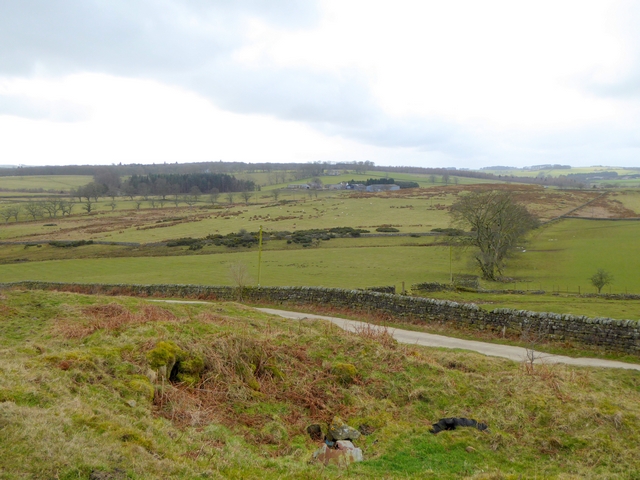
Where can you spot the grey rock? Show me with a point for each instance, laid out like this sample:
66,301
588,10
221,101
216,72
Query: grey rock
339,430
344,454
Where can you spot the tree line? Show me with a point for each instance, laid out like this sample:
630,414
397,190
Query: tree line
161,184
107,183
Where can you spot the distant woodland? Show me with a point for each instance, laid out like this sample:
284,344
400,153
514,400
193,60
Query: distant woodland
171,171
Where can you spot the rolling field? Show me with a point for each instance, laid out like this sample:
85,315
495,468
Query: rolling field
561,256
62,183
330,267
562,171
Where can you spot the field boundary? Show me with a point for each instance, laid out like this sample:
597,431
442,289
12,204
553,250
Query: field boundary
618,335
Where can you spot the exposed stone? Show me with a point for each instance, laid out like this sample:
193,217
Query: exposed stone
344,454
338,430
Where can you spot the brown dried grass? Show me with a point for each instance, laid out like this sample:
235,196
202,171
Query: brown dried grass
376,333
111,316
241,370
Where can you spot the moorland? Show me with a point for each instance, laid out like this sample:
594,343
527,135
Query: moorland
80,395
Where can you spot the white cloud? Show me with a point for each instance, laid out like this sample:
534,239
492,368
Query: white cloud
461,83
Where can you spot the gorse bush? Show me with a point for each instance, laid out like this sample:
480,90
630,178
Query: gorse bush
70,244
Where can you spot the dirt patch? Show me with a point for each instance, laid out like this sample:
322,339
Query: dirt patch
605,207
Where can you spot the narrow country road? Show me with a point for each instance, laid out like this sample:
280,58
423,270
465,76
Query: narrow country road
517,354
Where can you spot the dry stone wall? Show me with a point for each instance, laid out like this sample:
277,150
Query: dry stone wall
620,335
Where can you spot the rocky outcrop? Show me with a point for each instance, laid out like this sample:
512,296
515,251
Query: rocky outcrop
337,447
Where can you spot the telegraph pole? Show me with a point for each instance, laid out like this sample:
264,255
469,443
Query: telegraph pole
259,254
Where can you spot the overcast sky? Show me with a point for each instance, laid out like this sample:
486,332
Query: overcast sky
426,83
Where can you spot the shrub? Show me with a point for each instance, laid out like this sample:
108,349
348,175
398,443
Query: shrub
451,232
407,184
182,242
387,229
76,243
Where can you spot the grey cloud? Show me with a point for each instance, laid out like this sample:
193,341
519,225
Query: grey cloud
289,94
39,109
189,43
336,104
130,36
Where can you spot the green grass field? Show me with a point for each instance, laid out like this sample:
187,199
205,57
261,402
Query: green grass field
567,253
557,172
561,256
61,183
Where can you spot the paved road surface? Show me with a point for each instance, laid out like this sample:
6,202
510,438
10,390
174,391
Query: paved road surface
517,354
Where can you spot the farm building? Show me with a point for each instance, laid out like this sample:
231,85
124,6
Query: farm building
382,187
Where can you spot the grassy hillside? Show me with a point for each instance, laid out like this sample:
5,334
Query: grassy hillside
79,399
63,183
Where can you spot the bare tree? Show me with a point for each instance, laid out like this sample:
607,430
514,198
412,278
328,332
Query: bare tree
275,194
239,275
246,196
88,206
129,190
144,190
15,211
230,197
52,207
601,278
189,200
66,206
532,335
195,192
498,225
7,213
34,209
316,182
213,196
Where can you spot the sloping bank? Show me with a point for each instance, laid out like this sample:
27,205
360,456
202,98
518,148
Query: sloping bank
620,335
